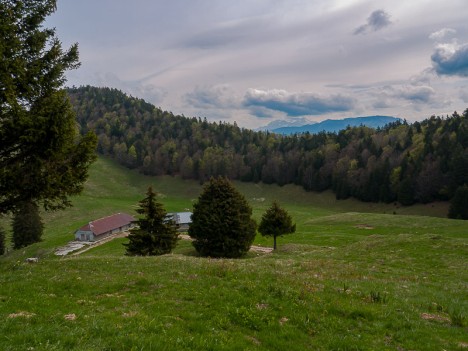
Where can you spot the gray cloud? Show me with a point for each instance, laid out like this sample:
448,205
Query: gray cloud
451,59
148,92
217,96
420,94
377,20
464,95
297,104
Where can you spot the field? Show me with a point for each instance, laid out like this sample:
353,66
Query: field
355,276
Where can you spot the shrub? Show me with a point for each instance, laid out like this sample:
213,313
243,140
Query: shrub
459,204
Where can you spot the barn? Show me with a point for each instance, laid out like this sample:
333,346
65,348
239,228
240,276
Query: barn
183,219
104,227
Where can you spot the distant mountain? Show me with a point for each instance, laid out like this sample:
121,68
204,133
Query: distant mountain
335,125
281,123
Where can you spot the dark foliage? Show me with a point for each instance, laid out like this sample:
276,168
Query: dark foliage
2,241
155,233
221,222
423,162
42,157
459,204
27,225
276,221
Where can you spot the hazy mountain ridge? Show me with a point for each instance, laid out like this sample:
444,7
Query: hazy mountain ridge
335,125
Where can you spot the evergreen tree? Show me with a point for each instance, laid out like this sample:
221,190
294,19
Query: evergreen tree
276,221
459,204
221,222
27,225
42,158
155,234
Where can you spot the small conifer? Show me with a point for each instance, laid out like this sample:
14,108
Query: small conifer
276,221
155,233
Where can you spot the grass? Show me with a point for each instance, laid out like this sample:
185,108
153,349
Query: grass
354,277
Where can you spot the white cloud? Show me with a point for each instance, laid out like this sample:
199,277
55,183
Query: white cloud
442,34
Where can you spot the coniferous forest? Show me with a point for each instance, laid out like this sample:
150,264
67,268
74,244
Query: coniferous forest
420,162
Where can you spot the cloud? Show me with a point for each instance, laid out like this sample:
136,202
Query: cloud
297,104
377,20
419,94
451,59
442,34
464,95
217,96
148,92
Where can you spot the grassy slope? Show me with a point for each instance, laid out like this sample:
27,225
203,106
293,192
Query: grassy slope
353,277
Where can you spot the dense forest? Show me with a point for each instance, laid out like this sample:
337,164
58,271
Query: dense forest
420,162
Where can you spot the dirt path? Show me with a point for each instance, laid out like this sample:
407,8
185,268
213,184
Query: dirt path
76,248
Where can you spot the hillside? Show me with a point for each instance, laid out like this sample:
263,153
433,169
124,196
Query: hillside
335,125
375,281
423,162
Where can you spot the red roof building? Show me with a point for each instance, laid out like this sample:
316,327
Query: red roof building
104,227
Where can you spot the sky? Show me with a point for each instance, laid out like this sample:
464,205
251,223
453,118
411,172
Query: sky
256,61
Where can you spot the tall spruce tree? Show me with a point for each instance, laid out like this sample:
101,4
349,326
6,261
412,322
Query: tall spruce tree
276,221
43,159
155,234
221,222
27,225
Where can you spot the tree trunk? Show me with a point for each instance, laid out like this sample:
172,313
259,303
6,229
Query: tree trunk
274,242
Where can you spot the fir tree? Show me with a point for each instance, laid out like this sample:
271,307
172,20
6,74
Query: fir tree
42,157
221,222
276,221
155,234
27,225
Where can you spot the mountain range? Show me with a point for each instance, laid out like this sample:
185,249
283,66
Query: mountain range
329,125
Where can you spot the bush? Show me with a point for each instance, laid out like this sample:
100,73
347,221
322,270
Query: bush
459,204
221,222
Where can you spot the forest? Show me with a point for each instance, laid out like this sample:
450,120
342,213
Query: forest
419,162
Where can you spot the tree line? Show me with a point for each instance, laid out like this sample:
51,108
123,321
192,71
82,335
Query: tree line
420,162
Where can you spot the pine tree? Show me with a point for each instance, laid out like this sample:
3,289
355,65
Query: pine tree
276,221
42,157
221,222
459,204
155,234
27,225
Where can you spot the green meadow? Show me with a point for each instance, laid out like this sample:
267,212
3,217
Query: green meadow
355,276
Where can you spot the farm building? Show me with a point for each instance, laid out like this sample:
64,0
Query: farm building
183,219
104,227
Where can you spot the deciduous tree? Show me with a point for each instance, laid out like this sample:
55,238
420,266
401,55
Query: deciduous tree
276,221
155,234
221,222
